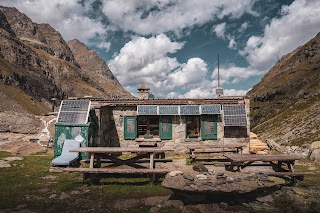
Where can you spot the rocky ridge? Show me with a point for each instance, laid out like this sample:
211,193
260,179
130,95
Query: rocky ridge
37,64
285,105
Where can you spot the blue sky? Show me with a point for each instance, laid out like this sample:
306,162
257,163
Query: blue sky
172,46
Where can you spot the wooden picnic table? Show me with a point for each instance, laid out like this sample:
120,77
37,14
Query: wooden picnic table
97,153
240,161
113,154
213,149
243,160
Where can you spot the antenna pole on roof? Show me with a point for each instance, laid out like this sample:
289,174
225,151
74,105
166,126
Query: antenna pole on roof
218,73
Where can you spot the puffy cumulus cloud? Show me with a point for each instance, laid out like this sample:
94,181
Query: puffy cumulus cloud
145,60
158,16
299,22
234,74
188,75
220,29
68,17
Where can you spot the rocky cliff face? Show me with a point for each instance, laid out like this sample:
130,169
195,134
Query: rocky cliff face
96,69
286,103
36,64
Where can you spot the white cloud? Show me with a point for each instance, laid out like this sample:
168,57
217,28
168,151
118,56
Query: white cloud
233,92
220,30
67,17
208,92
188,75
145,60
233,74
299,22
159,16
104,46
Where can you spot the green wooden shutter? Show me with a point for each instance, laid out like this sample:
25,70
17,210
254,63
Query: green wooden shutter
166,127
209,127
130,127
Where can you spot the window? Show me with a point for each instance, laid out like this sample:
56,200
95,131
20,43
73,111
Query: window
148,126
209,127
193,126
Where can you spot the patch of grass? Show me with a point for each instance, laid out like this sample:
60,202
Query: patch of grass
285,205
4,154
28,183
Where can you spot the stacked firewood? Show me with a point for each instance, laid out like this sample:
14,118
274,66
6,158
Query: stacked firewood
256,146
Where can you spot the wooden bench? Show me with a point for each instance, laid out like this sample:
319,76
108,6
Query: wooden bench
213,150
86,171
293,175
241,161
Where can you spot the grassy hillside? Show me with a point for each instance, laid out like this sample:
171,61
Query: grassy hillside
286,103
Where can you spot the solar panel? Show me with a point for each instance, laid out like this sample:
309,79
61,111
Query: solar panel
211,109
74,111
235,115
168,110
147,110
238,120
234,109
74,105
189,110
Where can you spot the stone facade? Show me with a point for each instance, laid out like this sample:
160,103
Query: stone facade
111,131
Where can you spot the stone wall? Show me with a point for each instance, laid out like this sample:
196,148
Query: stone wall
112,130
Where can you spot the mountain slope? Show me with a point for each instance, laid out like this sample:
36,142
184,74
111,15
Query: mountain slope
96,69
286,103
36,64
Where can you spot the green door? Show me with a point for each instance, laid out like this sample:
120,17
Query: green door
130,127
209,127
166,127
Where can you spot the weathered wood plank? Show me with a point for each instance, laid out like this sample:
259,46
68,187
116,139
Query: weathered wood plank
232,146
267,158
288,173
120,149
116,171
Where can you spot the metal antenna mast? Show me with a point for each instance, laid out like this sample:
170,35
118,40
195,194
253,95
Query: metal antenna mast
218,73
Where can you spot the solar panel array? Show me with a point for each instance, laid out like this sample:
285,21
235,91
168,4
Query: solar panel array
147,110
74,111
168,110
211,109
235,115
189,110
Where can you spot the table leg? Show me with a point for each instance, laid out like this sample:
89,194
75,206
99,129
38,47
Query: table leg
98,162
151,160
91,160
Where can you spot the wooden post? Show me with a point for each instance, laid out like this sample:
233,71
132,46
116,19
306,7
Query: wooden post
91,160
151,160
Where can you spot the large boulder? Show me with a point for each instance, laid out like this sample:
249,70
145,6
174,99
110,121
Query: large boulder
315,145
18,123
315,155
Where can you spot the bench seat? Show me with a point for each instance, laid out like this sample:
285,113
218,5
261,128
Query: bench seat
116,171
